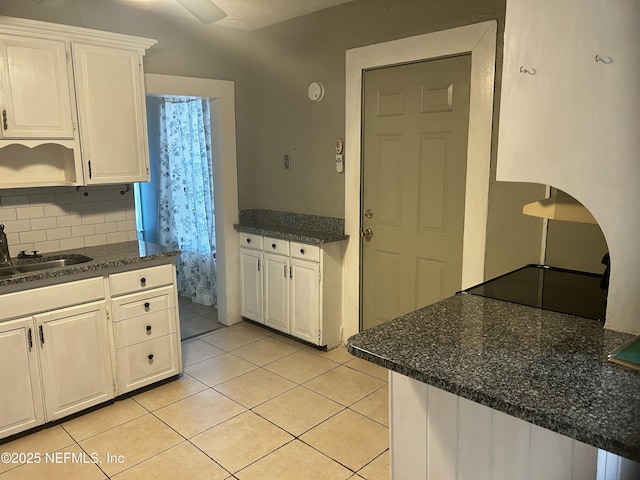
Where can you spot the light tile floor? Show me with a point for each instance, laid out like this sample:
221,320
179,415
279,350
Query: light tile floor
196,319
252,404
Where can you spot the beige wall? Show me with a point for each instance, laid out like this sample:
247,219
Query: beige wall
272,68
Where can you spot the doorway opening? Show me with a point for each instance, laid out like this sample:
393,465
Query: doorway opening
176,208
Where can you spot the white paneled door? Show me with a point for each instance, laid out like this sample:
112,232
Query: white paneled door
416,119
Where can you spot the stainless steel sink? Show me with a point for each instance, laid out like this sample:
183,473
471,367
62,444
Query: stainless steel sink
43,264
54,263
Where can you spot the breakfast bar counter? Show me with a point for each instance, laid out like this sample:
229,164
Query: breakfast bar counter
545,368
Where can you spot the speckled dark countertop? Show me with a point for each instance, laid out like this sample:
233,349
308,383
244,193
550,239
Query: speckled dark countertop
103,257
298,227
547,368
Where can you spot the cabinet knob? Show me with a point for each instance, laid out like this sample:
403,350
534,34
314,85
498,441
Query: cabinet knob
248,240
150,357
148,329
302,251
143,281
147,305
273,245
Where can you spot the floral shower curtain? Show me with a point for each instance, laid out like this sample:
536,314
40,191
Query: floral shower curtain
186,215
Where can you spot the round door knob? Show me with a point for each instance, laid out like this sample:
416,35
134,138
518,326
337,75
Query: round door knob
150,357
148,329
147,304
143,281
302,251
367,234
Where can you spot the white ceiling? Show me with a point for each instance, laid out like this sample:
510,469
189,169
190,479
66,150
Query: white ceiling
241,14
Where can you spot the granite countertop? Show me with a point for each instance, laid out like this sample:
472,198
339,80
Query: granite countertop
291,233
103,257
298,227
547,368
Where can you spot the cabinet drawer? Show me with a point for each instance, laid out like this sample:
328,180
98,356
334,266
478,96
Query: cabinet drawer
147,362
276,245
249,240
142,303
305,251
145,327
142,279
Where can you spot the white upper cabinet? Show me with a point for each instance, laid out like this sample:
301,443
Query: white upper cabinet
73,106
111,107
34,93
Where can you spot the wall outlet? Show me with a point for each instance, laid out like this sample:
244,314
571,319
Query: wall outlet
287,161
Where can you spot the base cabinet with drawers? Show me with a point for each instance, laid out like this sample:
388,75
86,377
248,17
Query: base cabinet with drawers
70,346
293,287
144,303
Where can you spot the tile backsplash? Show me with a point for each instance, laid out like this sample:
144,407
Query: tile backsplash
50,219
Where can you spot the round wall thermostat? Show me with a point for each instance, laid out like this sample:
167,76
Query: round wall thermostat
315,91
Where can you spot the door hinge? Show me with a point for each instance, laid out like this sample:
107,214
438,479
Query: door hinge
114,387
319,334
5,124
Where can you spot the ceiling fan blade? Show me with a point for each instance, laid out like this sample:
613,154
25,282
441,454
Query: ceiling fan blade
204,10
52,3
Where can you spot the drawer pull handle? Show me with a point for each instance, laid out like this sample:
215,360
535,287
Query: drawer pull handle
150,357
273,245
302,251
143,281
148,329
147,305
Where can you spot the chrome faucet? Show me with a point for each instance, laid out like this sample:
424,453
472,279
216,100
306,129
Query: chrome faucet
4,246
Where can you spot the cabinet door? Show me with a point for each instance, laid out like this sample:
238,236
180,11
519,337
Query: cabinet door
35,90
251,272
112,116
75,359
305,300
19,376
276,292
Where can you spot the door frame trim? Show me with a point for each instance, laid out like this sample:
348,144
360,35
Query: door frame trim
480,41
221,94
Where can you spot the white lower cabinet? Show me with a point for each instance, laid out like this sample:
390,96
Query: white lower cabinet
19,375
75,359
251,261
276,292
59,344
300,286
55,359
305,296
